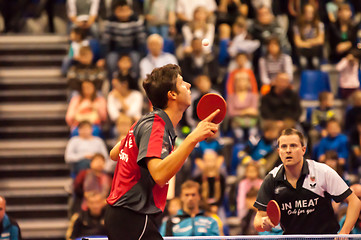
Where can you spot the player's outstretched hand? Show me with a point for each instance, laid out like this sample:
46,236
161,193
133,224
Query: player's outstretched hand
267,225
205,128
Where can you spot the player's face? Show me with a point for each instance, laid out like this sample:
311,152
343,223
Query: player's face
184,91
290,150
190,198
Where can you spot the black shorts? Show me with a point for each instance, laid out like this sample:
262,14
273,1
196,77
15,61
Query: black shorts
124,224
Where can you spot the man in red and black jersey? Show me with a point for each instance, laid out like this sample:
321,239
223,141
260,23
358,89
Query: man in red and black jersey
146,160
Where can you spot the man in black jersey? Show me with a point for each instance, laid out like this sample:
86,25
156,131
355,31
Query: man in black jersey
303,190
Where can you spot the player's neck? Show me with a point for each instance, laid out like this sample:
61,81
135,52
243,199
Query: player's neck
174,116
293,172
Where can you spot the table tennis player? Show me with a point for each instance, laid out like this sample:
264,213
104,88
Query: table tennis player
146,160
303,190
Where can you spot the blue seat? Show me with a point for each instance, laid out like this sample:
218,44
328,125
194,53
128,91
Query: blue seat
235,159
312,83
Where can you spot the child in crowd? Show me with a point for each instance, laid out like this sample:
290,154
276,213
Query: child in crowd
212,181
243,65
334,140
243,108
252,180
247,227
348,68
85,70
81,149
124,72
261,150
78,39
272,63
91,180
320,115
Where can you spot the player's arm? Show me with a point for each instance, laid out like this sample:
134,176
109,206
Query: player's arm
353,211
114,153
162,170
262,222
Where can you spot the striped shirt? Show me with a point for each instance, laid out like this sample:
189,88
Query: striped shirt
124,36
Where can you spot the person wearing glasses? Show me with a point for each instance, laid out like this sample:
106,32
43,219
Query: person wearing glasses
304,189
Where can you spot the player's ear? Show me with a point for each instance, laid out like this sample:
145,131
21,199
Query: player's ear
172,95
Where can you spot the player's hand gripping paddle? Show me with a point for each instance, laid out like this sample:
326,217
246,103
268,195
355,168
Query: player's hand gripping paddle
274,212
209,103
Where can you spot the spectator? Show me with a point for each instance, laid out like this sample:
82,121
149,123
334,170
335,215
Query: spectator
211,180
261,150
124,33
86,107
203,86
85,70
92,180
348,68
281,103
355,146
242,67
80,149
247,227
342,34
198,62
156,57
185,9
198,28
265,26
125,72
241,42
228,11
88,222
123,100
9,228
320,115
213,143
274,62
333,161
160,16
334,140
353,114
309,38
84,14
77,39
252,180
243,108
190,220
122,126
332,8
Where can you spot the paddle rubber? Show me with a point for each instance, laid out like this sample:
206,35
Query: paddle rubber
209,103
274,212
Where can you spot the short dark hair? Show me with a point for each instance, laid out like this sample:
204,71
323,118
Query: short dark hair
98,155
160,82
80,31
119,3
190,184
323,95
83,123
292,131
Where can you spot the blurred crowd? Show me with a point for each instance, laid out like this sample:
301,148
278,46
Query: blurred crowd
258,52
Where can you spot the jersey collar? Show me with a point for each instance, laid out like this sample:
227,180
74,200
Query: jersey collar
281,176
168,123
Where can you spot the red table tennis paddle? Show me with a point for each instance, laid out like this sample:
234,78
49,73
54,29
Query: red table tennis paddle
274,212
209,103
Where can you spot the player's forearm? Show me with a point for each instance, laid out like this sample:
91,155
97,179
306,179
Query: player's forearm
353,211
162,171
